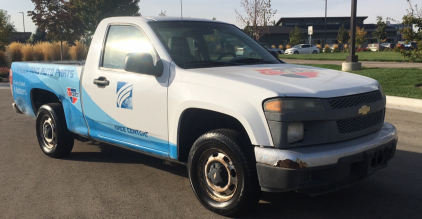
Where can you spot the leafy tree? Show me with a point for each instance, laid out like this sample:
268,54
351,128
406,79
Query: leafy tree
380,32
413,18
343,35
58,18
295,36
360,37
214,19
6,29
258,14
39,36
92,12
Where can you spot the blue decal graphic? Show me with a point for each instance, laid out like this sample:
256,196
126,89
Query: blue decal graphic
124,95
73,95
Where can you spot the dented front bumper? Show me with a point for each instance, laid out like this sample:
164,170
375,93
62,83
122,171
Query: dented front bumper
320,168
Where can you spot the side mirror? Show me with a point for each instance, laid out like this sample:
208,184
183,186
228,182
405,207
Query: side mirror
143,63
274,53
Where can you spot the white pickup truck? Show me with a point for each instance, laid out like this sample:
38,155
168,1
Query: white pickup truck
176,89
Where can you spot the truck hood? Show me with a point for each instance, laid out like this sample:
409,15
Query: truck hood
295,80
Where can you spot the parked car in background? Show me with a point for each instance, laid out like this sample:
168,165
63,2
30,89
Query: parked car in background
302,49
269,48
388,45
411,46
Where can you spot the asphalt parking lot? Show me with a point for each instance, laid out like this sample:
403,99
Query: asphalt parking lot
100,181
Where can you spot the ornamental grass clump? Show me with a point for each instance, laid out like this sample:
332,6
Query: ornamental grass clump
78,51
16,51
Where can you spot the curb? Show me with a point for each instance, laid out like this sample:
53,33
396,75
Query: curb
403,103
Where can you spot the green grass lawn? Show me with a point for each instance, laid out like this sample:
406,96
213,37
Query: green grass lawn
395,82
341,56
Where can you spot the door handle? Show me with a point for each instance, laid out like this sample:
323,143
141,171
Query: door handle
101,82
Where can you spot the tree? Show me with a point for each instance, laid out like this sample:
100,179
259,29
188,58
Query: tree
413,18
343,35
38,36
380,32
258,14
92,12
162,14
295,36
6,29
58,18
360,36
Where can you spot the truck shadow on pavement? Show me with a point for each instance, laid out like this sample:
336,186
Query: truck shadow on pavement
112,154
394,192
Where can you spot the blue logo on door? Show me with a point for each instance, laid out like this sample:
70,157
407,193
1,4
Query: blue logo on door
124,95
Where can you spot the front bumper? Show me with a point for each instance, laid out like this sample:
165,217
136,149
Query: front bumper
324,168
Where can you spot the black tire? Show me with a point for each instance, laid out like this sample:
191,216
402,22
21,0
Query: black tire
315,52
237,164
296,52
53,136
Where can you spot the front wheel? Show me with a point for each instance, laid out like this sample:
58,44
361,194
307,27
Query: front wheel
222,172
296,52
315,52
53,136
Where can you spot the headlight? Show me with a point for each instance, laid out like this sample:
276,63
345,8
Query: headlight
292,105
295,132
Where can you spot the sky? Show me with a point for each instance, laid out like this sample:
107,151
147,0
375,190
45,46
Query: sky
223,10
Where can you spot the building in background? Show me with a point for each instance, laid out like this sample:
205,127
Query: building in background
21,37
279,34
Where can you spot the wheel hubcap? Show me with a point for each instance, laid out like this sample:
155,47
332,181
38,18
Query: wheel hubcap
219,176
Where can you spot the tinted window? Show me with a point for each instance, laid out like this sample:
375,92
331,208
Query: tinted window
122,40
305,46
209,44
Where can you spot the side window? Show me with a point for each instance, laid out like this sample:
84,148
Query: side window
305,46
122,40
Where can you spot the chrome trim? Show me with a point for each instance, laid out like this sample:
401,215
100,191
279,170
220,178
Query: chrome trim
321,155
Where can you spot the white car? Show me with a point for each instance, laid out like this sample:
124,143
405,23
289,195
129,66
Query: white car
302,49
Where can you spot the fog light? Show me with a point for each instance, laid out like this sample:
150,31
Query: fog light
295,132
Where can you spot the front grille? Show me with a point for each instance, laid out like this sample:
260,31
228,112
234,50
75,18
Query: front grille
360,123
355,100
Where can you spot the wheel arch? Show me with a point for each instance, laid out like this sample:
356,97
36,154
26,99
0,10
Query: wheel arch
193,122
41,97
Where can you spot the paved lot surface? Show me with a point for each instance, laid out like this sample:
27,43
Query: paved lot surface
4,86
99,181
364,63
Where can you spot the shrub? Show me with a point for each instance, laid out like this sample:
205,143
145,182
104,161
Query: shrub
345,48
288,46
336,48
55,51
38,52
78,51
16,51
273,46
319,46
4,72
3,59
27,52
280,47
327,48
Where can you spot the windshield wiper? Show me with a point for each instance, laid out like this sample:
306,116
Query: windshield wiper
251,61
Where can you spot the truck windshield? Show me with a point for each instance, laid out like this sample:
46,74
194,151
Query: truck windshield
199,44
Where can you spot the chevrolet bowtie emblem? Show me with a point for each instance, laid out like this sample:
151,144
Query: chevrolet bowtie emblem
364,110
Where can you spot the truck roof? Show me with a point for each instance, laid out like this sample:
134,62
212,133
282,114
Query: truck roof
166,18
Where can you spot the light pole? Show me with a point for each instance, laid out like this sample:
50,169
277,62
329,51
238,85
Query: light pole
23,19
352,63
325,33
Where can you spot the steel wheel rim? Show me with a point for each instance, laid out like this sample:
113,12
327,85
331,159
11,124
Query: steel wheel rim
215,165
49,133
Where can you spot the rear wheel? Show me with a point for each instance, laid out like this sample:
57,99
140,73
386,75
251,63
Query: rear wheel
222,172
314,52
53,136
